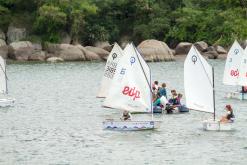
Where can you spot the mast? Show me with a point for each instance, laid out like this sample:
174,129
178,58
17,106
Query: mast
149,84
213,92
5,74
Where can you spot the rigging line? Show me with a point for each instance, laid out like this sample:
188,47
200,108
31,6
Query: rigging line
4,72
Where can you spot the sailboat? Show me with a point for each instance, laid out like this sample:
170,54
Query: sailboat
235,72
110,69
4,102
199,88
131,90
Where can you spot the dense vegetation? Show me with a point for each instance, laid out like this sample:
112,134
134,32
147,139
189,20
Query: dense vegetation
87,21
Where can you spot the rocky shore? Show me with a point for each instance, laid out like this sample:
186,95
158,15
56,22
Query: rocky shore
14,46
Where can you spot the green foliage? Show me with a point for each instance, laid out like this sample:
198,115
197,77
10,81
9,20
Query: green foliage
214,21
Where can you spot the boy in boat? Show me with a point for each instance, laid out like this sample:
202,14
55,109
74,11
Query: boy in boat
244,89
162,90
228,118
155,87
126,115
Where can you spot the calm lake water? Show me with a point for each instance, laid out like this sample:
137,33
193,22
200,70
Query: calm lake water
58,120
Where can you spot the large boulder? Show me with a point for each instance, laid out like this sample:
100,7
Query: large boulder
154,50
220,49
71,53
90,56
21,50
183,48
2,35
16,34
104,45
201,46
99,51
38,54
65,51
3,49
211,54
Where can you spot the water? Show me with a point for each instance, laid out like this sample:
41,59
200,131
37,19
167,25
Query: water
58,120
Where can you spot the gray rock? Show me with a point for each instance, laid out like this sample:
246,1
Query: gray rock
154,50
3,49
210,48
104,45
201,46
21,50
15,34
37,56
103,54
90,56
71,53
2,35
183,48
211,54
54,59
220,49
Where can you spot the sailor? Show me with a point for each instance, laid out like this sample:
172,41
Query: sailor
126,115
229,117
244,89
162,90
155,87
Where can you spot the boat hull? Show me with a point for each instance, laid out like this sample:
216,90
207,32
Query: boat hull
237,95
6,102
211,125
131,125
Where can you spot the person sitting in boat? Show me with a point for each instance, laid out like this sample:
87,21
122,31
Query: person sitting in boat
244,89
229,116
126,115
155,87
162,90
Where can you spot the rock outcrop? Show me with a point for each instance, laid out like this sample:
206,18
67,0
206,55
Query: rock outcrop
183,48
201,46
16,34
103,54
3,49
21,50
54,59
154,50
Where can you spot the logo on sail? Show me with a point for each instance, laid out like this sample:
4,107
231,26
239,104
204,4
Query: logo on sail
131,92
114,55
194,59
132,60
234,73
236,51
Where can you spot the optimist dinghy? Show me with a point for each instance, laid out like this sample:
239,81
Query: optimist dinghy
235,72
4,100
199,89
131,90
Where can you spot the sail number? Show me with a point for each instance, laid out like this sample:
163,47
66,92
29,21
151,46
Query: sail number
110,69
234,73
131,92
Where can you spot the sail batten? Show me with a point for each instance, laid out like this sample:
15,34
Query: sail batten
130,86
198,82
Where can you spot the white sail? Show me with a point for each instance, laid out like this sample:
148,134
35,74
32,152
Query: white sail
198,82
130,89
3,81
110,69
243,70
232,66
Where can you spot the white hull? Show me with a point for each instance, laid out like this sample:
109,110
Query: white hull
237,95
131,125
211,125
6,102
